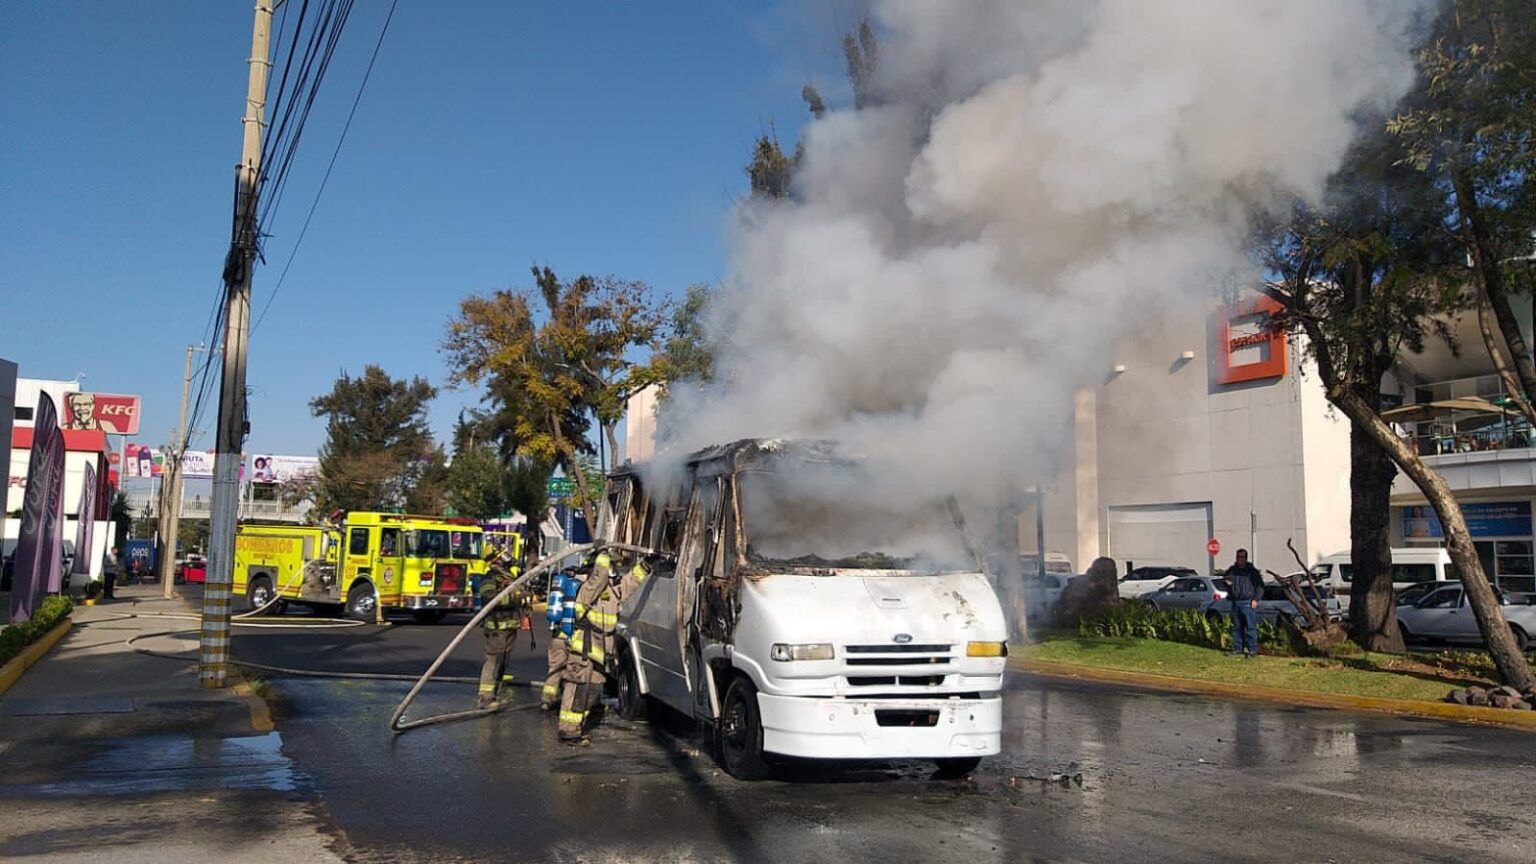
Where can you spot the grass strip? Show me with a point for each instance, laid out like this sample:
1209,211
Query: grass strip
1390,676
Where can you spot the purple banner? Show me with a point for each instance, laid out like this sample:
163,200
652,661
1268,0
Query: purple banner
52,577
85,524
32,548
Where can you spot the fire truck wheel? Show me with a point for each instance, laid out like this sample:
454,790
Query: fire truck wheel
739,733
258,594
362,601
428,616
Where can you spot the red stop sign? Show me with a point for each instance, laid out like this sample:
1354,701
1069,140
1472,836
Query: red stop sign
1213,547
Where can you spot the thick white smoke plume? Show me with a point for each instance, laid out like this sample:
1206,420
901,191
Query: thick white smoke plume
1036,178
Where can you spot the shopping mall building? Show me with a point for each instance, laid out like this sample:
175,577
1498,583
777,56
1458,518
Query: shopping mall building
1206,427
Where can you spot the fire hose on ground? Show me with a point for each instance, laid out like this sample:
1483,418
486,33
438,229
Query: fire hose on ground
398,724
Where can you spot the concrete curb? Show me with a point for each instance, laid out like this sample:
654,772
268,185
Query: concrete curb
239,684
11,672
1502,717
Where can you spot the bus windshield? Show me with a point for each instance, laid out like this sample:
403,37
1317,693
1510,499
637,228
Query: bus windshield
835,515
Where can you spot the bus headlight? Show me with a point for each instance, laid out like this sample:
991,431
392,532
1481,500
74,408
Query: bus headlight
816,651
986,649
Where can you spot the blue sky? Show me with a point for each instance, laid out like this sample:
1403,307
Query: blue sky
602,137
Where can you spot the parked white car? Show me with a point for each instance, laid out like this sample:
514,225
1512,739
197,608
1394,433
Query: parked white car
1143,580
1445,614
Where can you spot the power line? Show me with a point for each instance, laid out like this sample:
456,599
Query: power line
336,152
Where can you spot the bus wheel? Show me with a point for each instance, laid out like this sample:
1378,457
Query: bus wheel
632,703
428,616
955,767
362,602
739,733
259,594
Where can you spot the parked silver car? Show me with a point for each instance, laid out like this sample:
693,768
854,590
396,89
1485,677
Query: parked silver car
1189,592
1274,604
1445,614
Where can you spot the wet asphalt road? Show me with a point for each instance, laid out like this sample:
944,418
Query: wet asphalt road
1163,778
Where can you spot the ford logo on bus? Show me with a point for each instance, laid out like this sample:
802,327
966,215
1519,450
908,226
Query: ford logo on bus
902,638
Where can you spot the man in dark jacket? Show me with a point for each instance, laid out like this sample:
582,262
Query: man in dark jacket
1247,590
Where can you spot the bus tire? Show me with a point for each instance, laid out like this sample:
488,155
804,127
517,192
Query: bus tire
955,767
632,703
362,601
739,732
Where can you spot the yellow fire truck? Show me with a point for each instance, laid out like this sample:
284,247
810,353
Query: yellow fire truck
362,563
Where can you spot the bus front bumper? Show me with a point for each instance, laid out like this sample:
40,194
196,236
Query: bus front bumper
922,728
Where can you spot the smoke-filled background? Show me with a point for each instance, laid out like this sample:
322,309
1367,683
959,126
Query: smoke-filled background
960,258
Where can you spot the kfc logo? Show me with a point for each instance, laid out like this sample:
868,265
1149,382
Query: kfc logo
112,414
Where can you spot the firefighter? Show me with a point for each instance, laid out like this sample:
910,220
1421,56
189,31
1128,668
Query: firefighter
500,626
562,599
593,642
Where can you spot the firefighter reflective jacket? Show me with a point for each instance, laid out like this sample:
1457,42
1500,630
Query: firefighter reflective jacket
505,615
597,608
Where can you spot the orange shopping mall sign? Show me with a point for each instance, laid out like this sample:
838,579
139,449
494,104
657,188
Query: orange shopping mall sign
1249,350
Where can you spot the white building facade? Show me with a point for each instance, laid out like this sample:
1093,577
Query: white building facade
1206,428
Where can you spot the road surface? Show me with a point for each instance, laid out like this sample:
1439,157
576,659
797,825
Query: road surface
1088,773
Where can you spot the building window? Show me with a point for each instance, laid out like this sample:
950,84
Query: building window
1514,563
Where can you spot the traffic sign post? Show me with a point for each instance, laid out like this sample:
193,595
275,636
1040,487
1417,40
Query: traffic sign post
1213,547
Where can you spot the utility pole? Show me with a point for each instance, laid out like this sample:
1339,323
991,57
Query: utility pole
170,519
213,647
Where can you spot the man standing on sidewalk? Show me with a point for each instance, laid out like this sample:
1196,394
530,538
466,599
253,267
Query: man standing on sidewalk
1247,589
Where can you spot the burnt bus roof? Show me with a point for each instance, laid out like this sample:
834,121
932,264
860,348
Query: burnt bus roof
749,453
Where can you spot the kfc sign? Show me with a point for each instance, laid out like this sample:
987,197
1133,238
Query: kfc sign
114,415
1250,350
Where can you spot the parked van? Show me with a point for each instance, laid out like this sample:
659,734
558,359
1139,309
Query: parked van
1409,567
798,612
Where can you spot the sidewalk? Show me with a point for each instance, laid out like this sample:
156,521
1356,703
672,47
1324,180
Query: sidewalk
111,755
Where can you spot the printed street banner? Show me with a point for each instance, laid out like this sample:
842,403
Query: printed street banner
85,523
32,553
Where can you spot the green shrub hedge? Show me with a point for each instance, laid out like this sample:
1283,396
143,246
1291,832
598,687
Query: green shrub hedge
16,637
1188,626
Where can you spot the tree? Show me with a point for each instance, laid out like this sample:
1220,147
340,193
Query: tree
1377,273
770,171
860,56
686,354
378,452
427,488
475,482
122,516
1364,280
544,373
1472,128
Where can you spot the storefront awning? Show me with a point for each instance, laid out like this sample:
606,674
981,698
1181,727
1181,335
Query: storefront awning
1421,411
